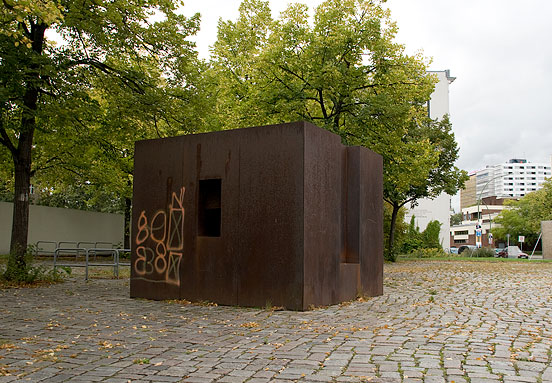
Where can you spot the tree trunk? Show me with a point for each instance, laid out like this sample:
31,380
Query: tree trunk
128,206
20,223
22,165
22,157
391,254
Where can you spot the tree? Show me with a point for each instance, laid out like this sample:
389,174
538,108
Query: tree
427,177
456,219
430,235
413,239
524,217
401,228
46,97
344,73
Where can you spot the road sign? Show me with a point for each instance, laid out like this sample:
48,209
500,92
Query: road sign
521,238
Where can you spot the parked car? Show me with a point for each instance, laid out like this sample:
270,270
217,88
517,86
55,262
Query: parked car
453,250
512,252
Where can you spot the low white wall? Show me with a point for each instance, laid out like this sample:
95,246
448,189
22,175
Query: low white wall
56,224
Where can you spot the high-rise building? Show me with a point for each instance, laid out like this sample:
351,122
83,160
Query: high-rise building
468,194
484,194
438,208
512,179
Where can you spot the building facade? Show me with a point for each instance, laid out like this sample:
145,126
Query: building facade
468,194
437,209
483,215
512,179
485,193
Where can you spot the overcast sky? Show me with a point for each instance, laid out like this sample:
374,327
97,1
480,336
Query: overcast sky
499,51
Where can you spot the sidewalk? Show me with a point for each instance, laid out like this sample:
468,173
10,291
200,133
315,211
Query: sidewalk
436,322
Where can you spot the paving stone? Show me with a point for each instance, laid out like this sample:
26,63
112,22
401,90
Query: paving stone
480,326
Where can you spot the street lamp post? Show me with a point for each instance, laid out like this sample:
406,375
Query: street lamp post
479,201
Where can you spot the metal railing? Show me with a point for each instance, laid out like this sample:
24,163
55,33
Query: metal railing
48,247
114,262
39,248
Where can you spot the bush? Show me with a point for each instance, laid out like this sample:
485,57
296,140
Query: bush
416,240
427,253
30,273
430,235
483,252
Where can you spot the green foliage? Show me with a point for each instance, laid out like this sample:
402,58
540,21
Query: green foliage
430,235
6,192
349,77
415,240
524,217
82,197
71,111
456,219
401,227
28,273
482,252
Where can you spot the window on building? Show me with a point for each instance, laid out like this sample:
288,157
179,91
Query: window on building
210,208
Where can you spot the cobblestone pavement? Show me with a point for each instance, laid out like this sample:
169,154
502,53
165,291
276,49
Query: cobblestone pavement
437,322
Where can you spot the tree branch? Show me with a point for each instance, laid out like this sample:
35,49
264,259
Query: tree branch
107,69
44,167
294,74
8,5
321,101
23,26
5,139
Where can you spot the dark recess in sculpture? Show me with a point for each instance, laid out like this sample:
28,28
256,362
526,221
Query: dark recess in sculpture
281,215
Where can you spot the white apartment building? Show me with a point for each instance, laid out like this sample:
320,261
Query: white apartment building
438,208
512,179
493,185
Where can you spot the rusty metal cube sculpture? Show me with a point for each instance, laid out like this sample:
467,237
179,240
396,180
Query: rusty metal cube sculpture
280,215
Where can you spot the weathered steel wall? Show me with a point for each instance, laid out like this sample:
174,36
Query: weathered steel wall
371,222
546,229
324,156
257,216
271,217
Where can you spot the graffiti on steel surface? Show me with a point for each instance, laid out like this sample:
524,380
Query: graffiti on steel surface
159,243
